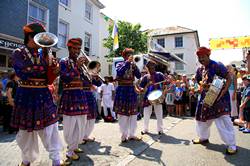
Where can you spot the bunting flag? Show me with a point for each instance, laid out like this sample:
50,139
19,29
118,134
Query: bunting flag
115,36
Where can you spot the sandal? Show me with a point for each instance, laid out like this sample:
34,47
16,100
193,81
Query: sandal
124,140
199,141
89,139
231,151
135,138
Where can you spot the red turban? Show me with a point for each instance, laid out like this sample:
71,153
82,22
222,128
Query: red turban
33,28
74,42
127,51
203,51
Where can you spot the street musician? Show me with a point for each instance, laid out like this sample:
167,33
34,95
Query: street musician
153,83
34,111
220,110
126,97
75,103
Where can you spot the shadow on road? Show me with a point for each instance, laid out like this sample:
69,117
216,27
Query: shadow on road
5,137
152,154
91,148
144,151
167,139
240,158
95,148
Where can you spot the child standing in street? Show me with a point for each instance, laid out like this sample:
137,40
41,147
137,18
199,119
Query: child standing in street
245,104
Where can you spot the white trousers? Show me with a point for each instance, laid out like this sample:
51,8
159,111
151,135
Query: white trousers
224,126
89,128
105,111
158,113
73,130
128,125
28,143
233,104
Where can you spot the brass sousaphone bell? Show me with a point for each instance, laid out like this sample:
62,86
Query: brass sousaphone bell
45,39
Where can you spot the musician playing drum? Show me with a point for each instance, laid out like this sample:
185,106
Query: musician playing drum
149,81
34,111
126,97
74,102
220,110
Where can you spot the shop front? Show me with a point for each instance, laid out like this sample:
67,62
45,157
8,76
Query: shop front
7,45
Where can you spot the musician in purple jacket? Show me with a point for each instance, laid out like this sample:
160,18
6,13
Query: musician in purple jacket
126,97
220,110
74,102
151,82
34,111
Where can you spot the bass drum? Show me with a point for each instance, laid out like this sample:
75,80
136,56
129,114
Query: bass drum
155,97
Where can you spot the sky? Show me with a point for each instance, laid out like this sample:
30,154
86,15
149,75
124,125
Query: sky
211,18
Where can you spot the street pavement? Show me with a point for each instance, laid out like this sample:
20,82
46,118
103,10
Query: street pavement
174,147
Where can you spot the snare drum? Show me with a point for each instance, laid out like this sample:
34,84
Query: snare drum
156,97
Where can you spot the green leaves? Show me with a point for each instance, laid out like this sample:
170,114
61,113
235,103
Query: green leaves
130,36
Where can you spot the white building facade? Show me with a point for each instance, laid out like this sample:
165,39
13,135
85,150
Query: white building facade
182,42
80,18
105,22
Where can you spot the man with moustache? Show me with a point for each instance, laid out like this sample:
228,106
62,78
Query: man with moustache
73,103
220,110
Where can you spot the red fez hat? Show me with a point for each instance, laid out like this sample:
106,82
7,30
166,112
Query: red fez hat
33,28
203,51
74,42
127,51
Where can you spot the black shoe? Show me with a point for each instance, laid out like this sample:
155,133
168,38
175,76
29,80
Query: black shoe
160,132
144,132
198,141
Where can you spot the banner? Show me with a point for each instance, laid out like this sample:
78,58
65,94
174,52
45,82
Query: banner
229,43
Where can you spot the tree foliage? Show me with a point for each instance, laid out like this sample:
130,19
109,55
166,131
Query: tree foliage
129,36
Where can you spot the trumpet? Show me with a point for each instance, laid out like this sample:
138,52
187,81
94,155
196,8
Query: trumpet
136,58
90,68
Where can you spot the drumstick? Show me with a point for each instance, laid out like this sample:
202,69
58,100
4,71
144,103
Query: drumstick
159,82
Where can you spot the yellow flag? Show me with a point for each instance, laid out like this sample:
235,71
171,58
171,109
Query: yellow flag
115,37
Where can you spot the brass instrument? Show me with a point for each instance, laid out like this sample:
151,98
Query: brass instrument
136,58
46,40
90,68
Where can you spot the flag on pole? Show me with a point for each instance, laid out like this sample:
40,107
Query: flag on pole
115,36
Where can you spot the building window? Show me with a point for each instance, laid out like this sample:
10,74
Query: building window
178,41
65,2
63,34
161,42
88,11
38,13
179,65
87,43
